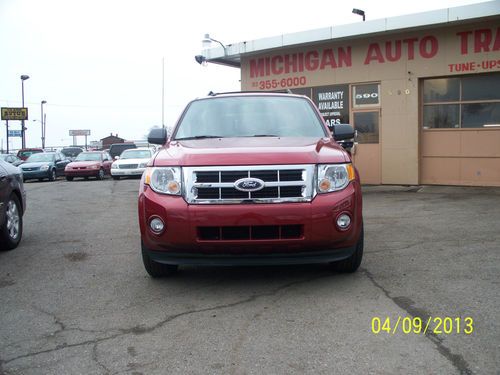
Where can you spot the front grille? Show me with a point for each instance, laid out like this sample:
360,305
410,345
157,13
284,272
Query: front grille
127,166
250,233
281,183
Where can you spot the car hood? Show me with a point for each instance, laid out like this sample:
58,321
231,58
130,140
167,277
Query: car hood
251,151
79,164
131,161
34,164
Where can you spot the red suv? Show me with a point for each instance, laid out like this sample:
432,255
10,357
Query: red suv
250,179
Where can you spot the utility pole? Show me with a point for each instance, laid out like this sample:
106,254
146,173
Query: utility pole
24,77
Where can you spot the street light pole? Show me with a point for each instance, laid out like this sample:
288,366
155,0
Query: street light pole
23,138
43,123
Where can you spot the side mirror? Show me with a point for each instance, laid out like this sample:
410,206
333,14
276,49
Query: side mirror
342,132
157,136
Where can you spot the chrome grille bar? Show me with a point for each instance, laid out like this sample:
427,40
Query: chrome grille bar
282,183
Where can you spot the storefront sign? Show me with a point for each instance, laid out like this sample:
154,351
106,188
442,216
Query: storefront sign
333,103
281,71
9,113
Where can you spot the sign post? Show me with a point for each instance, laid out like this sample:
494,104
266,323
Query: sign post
7,126
79,132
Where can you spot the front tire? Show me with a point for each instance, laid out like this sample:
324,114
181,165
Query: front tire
116,177
12,227
69,178
52,175
100,176
352,263
155,269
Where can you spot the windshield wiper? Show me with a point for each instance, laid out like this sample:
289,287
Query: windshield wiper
264,135
198,137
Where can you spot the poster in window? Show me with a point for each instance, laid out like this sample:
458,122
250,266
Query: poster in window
333,103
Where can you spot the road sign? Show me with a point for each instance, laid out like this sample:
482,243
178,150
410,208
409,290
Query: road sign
10,113
77,133
15,133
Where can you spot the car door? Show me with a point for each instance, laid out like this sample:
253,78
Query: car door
4,191
59,163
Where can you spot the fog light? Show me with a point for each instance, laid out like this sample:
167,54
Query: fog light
156,225
343,221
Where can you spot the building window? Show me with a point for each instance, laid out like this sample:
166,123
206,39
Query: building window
462,102
367,95
366,124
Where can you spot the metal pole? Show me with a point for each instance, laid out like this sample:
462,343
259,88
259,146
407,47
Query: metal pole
23,142
44,127
41,119
7,126
163,93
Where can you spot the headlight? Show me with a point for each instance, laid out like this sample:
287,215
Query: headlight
114,166
44,167
142,165
334,177
95,166
165,180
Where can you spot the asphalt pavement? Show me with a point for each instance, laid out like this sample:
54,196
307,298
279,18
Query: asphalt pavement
75,298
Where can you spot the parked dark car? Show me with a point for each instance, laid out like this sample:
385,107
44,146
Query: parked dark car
12,206
25,153
72,152
12,159
116,149
89,164
44,165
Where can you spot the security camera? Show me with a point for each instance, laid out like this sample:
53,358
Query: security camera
200,59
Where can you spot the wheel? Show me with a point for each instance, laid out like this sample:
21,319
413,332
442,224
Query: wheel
52,175
69,178
156,269
116,177
12,227
86,178
100,176
352,263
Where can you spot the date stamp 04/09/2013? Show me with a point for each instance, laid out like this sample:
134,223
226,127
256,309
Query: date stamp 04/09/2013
416,325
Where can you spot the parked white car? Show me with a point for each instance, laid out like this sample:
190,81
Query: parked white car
131,162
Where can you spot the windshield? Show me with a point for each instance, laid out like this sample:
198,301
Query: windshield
136,154
250,116
71,152
41,157
25,154
89,156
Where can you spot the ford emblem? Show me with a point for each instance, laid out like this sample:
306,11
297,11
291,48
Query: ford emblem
249,184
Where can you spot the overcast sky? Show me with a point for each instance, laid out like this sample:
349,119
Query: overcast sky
98,63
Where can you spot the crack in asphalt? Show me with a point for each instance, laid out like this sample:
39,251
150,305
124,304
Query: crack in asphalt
140,329
457,360
95,358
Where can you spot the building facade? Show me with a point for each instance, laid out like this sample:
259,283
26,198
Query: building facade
422,91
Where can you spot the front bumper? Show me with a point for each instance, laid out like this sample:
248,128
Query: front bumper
127,172
81,172
182,241
306,257
27,175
